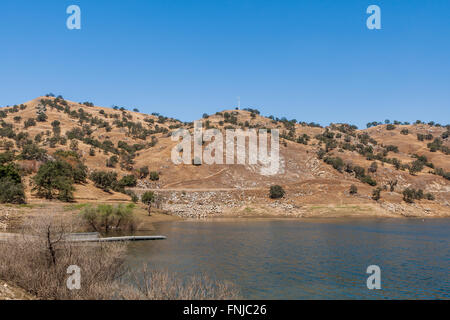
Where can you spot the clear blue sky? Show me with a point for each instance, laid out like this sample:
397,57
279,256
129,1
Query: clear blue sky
309,60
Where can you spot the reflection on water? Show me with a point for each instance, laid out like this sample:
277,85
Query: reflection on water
308,259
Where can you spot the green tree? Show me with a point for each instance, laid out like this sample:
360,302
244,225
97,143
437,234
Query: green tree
148,197
104,180
416,166
54,179
143,172
276,192
408,195
11,187
154,176
353,189
376,194
128,181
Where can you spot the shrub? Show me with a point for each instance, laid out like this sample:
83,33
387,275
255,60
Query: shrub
373,167
416,166
369,180
31,151
337,163
408,195
29,123
392,184
376,194
42,117
404,131
112,161
104,180
143,172
105,217
353,189
128,181
429,196
276,192
154,176
6,157
148,197
390,127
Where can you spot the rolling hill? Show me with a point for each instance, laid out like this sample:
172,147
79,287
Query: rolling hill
318,165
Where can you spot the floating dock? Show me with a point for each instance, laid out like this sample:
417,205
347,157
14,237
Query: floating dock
116,239
86,237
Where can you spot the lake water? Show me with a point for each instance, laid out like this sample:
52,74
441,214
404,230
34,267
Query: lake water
308,259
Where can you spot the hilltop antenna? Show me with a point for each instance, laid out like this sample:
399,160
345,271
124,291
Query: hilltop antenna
239,102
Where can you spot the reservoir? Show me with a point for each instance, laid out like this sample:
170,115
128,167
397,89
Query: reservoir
307,259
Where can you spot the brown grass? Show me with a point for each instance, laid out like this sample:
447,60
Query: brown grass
37,261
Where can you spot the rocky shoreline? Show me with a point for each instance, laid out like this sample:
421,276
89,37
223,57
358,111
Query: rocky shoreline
248,203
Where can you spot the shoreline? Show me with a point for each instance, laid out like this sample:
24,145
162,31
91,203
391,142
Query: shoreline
12,216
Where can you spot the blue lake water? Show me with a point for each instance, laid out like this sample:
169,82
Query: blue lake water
308,259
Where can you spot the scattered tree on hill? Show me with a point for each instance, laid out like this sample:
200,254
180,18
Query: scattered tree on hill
128,181
54,179
276,192
373,167
416,166
376,194
392,184
112,161
390,127
11,186
104,180
143,172
353,189
154,176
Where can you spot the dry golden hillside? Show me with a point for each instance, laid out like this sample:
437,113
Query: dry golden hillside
317,165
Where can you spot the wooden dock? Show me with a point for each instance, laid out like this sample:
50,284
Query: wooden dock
86,237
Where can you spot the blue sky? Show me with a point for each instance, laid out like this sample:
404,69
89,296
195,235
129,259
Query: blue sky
309,60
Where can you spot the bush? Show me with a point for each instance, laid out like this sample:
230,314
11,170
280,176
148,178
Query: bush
29,123
105,217
337,163
404,131
132,195
6,157
143,172
369,180
154,176
408,195
39,264
148,197
276,192
429,196
128,181
416,166
353,189
390,127
376,194
373,167
31,151
42,117
104,180
112,161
